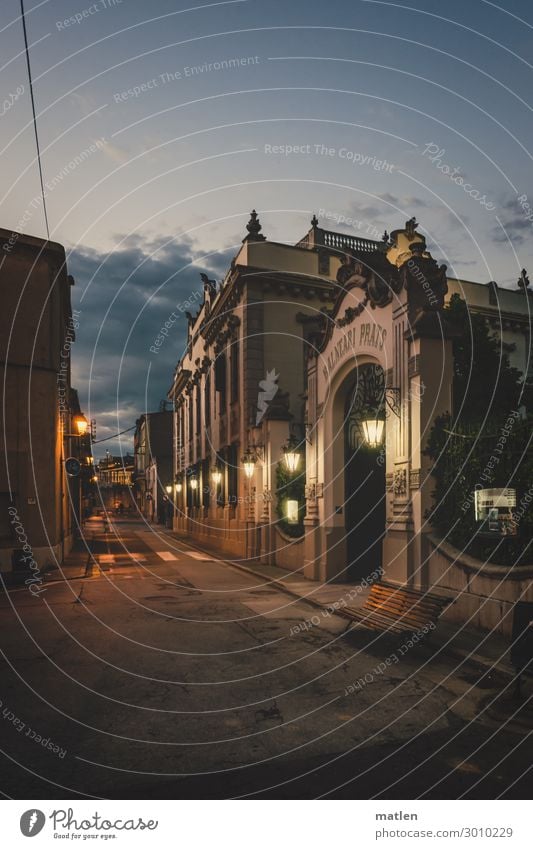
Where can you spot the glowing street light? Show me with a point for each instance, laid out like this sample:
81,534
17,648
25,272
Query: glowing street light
292,456
248,462
373,429
80,424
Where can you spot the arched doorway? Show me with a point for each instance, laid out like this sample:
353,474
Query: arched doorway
364,473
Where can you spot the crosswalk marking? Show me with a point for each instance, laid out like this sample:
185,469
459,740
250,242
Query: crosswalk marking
166,555
197,555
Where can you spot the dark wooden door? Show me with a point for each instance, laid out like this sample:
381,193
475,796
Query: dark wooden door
364,511
364,476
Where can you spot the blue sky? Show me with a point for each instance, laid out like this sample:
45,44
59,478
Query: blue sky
174,157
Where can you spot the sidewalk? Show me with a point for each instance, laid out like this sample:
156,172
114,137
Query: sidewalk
488,650
77,564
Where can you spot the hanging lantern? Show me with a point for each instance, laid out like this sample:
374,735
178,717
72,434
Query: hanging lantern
193,483
81,424
248,462
178,487
292,456
373,429
168,489
216,476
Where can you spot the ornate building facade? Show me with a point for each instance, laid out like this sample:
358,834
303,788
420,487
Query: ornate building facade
307,352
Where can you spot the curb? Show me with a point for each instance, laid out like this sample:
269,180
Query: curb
450,651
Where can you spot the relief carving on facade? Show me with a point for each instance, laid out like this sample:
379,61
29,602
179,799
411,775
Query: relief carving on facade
399,482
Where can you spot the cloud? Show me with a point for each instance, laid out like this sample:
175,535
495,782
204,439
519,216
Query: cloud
514,229
514,225
125,297
392,199
416,202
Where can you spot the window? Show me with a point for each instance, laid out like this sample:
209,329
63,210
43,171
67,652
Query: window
207,399
198,410
5,518
220,381
235,371
233,491
190,417
206,483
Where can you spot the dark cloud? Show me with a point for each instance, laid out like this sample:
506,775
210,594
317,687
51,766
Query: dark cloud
416,202
514,230
388,198
515,225
125,297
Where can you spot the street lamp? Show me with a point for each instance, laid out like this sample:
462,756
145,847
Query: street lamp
193,483
248,462
80,424
168,489
292,455
216,475
373,429
178,487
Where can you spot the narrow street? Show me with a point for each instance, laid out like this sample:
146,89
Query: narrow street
165,673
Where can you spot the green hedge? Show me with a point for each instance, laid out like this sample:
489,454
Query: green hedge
485,443
468,460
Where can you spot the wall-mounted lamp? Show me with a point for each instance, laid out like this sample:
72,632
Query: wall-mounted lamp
80,424
292,455
373,429
248,462
216,475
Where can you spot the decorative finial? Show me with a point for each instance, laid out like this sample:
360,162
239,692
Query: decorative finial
385,237
410,227
314,222
523,280
254,229
210,286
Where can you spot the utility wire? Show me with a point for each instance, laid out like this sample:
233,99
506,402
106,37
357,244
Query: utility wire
96,441
34,117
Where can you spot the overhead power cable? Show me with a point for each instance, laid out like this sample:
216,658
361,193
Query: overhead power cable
96,441
45,213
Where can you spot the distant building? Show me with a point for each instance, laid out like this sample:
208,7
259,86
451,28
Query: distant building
115,477
39,502
154,477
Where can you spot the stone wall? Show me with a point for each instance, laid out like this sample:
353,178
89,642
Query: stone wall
484,593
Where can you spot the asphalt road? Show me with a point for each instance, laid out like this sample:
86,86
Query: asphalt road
165,673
